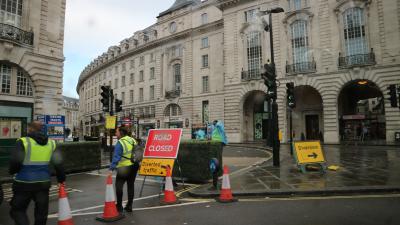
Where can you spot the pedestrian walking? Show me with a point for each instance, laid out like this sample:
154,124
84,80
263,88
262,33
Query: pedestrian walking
122,161
30,162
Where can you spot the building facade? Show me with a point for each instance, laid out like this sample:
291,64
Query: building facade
71,109
202,61
31,62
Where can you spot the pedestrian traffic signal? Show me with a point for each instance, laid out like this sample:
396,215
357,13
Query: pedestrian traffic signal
105,97
118,105
269,77
291,101
393,95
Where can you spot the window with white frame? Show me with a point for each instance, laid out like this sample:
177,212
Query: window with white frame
177,76
11,12
152,76
141,97
251,15
141,60
151,92
131,96
132,78
254,53
123,81
141,76
205,84
123,67
116,83
204,61
132,64
299,42
5,75
204,42
355,40
295,4
204,18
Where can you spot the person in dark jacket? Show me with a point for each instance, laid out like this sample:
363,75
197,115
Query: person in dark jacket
30,164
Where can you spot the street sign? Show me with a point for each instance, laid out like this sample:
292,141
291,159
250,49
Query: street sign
111,122
155,167
163,143
308,152
55,125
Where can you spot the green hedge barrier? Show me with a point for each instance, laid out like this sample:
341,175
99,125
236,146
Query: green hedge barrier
80,156
194,158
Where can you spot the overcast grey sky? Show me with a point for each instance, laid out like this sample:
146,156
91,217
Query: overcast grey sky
91,26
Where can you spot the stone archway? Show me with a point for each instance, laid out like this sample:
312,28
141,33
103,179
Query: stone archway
361,112
255,120
307,116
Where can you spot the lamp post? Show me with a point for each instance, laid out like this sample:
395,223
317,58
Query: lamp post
274,129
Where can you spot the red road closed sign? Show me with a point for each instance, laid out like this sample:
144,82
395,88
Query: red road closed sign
163,143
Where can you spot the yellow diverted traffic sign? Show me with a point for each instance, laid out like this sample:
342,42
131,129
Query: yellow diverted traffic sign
308,152
155,167
111,122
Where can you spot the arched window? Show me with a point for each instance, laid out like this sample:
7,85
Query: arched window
254,53
354,32
24,86
299,42
14,81
177,76
11,12
173,110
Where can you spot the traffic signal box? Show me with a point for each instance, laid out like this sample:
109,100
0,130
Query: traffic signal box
118,105
291,101
105,98
393,95
269,77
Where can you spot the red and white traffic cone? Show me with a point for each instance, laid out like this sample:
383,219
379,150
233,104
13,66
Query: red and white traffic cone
226,192
110,212
64,211
169,194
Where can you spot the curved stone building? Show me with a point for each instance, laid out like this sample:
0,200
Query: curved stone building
202,60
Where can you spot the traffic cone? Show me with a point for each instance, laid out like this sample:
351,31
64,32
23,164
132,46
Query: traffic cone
110,213
226,193
169,194
64,211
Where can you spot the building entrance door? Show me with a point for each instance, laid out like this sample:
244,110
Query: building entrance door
312,127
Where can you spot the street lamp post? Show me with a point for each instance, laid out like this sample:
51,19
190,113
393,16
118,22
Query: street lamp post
275,124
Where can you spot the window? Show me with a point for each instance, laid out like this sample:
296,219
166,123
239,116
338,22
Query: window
205,84
123,97
123,67
95,91
131,96
354,32
205,112
299,41
141,97
23,85
116,69
132,64
116,83
254,53
172,27
152,73
141,76
176,51
177,76
151,57
204,42
152,92
204,61
294,4
173,110
123,81
132,78
152,111
204,18
251,15
5,75
141,60
11,12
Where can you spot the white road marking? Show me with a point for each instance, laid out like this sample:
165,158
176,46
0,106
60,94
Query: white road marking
135,209
53,191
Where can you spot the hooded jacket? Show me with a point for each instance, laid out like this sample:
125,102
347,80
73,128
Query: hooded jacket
17,159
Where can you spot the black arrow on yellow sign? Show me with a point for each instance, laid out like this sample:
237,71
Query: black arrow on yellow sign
314,155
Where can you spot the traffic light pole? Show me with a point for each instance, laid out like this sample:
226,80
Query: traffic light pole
275,123
291,130
111,94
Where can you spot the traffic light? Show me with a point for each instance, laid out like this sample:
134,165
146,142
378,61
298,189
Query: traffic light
291,101
118,105
393,95
269,77
105,98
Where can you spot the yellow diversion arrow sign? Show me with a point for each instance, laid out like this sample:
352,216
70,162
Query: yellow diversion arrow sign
155,167
309,152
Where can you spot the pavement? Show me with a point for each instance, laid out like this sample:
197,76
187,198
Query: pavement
362,169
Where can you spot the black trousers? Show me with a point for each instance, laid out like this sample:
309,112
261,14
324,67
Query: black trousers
126,174
20,203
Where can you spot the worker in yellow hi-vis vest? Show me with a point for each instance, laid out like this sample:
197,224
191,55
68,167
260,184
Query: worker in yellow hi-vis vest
123,162
30,162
